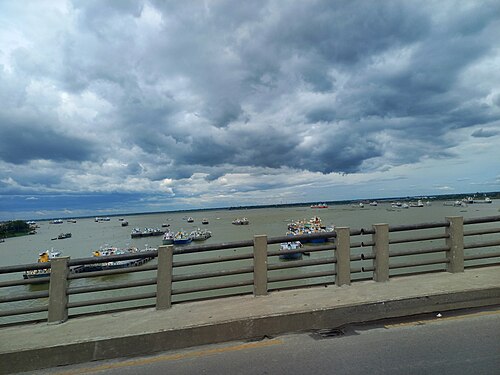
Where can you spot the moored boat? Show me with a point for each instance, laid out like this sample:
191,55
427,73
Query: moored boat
43,257
107,251
200,234
182,238
168,238
242,221
290,246
62,236
204,221
319,205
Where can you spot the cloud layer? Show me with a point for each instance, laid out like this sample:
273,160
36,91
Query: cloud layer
206,100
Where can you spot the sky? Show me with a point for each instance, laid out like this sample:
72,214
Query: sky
111,107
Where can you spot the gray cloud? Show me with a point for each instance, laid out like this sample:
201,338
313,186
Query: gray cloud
163,90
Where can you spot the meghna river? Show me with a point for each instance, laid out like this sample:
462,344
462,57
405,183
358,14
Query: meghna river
89,235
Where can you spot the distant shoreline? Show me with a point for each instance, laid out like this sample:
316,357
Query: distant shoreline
444,197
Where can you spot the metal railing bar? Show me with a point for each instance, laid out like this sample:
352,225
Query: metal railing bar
111,258
300,286
35,281
482,220
103,301
301,263
24,267
305,249
482,244
26,310
303,276
418,251
100,288
417,239
482,256
220,246
208,298
197,262
418,263
207,275
118,271
178,291
401,228
481,231
482,265
25,297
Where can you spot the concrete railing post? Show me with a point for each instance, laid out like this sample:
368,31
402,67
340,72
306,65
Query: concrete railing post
58,290
260,265
455,242
381,251
343,255
164,277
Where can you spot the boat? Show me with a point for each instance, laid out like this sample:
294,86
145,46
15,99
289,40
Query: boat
182,238
136,233
108,251
62,236
319,205
147,232
71,221
124,223
56,221
242,221
204,221
289,246
190,219
43,257
313,226
200,234
165,225
374,204
168,238
485,200
101,219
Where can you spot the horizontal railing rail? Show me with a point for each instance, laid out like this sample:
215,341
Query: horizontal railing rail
255,267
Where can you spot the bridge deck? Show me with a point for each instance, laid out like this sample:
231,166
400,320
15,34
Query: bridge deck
138,332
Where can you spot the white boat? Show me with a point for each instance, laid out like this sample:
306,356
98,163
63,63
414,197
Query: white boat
289,246
200,234
242,221
374,203
168,238
319,205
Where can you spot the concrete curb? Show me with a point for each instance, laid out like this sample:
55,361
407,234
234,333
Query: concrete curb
241,329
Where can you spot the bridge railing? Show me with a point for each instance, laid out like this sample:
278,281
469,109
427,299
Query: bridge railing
174,275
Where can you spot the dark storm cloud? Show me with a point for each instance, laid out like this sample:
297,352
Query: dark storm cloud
169,89
481,133
28,139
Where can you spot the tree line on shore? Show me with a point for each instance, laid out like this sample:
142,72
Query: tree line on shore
14,228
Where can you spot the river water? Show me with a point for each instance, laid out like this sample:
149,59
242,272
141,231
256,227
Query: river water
89,235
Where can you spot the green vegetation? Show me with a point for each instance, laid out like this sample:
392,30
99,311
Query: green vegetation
14,228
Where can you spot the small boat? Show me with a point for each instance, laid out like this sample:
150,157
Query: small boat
136,233
165,225
200,234
124,223
43,257
63,236
319,205
101,219
71,221
204,221
289,246
56,221
168,238
190,219
182,238
242,221
374,204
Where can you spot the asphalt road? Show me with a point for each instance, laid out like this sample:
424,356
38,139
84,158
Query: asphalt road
463,343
